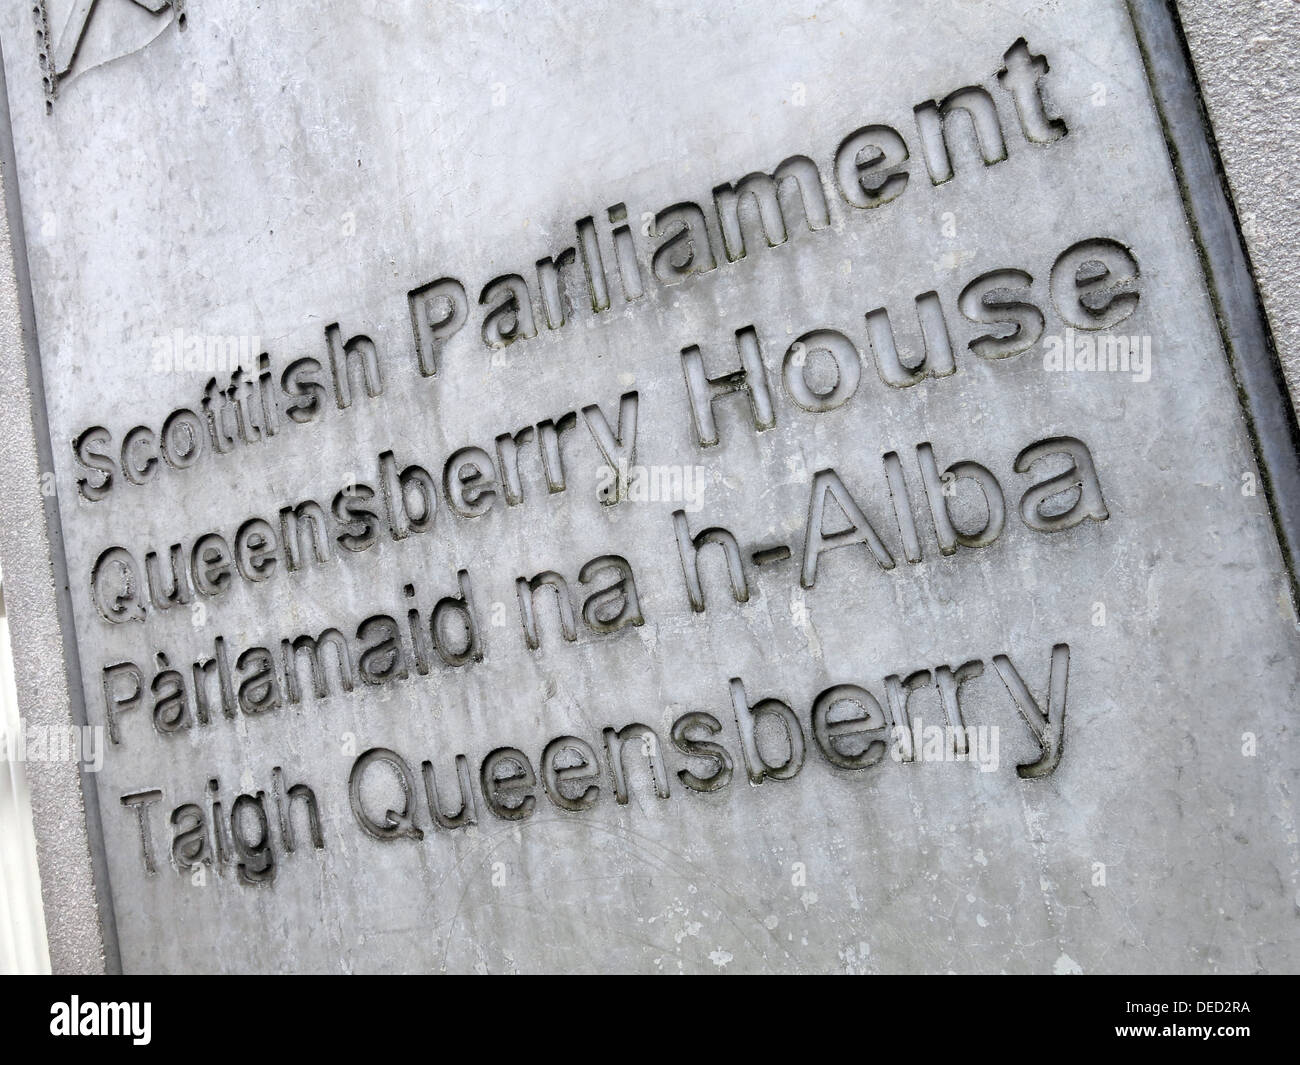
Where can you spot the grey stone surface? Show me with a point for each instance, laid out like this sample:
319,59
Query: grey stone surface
225,184
1245,57
72,918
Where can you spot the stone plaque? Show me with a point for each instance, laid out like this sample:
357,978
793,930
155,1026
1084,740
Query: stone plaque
661,487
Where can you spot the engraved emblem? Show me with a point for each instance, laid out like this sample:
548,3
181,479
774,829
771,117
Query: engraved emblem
77,35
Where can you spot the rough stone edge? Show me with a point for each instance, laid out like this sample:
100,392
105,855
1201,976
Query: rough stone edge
1244,52
1267,402
65,814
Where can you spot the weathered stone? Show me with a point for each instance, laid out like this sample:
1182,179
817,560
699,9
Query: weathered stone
653,491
